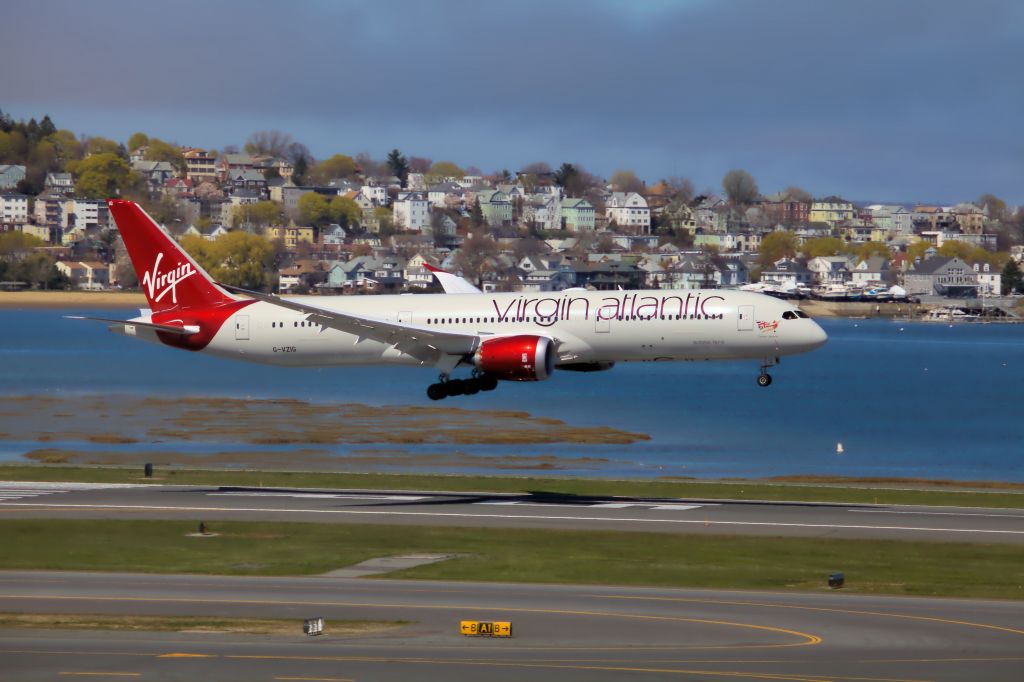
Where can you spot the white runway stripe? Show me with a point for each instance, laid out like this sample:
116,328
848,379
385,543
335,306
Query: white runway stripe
17,490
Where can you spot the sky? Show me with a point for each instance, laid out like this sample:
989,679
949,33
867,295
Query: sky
894,100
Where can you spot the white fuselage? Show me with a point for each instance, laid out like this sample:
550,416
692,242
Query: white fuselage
589,326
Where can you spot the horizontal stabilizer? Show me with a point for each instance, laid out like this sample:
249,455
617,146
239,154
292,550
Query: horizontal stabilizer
187,330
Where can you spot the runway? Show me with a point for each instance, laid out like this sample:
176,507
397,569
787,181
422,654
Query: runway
496,510
560,632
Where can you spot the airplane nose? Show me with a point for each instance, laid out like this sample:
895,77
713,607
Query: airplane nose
817,336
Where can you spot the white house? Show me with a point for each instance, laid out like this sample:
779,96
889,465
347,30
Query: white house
873,270
629,210
13,210
10,175
378,194
543,211
830,269
411,211
990,280
895,219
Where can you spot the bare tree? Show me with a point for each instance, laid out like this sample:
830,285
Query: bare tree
740,187
269,143
419,164
626,181
682,189
797,194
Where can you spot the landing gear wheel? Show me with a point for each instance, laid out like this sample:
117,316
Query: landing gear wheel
764,379
436,391
455,387
470,387
487,383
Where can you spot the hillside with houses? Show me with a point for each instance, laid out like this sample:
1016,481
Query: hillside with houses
271,216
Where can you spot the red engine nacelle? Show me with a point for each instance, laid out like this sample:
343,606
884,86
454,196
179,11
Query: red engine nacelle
516,358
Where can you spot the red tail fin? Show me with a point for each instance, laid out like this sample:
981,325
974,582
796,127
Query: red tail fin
170,278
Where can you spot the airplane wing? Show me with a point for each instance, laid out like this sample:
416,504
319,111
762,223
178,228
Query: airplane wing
452,284
429,346
187,330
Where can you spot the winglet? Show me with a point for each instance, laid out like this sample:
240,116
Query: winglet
452,284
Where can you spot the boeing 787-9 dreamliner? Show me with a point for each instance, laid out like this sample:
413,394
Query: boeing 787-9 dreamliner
494,336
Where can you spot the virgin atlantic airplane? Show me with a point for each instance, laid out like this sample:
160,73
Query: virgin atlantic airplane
496,337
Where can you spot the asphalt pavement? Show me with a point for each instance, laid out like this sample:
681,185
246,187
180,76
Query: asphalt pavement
538,510
559,632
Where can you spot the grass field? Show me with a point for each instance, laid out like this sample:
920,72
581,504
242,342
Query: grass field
247,626
519,555
871,491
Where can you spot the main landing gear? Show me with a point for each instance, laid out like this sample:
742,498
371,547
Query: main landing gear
446,387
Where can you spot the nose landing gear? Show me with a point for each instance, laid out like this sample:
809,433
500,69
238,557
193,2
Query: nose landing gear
764,378
446,387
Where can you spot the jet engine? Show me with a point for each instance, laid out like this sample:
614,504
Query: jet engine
516,358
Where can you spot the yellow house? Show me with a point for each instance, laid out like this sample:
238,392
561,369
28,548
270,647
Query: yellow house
291,236
831,210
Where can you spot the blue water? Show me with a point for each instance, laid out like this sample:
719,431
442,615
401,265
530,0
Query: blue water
904,399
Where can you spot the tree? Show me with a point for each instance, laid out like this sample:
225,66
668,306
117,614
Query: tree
476,214
102,175
776,246
869,249
992,205
338,166
1013,279
66,145
474,255
793,193
740,187
237,258
101,145
137,140
918,249
445,169
207,191
626,181
46,127
268,143
823,247
158,150
254,216
682,189
314,209
344,211
398,165
419,164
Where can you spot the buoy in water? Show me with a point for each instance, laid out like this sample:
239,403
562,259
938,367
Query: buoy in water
839,449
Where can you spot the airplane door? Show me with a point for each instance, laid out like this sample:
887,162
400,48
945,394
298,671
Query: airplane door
602,326
241,327
745,319
405,317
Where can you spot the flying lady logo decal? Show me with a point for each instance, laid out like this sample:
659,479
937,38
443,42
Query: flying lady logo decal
158,284
768,327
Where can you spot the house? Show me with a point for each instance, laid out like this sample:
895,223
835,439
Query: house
291,236
411,212
543,212
629,211
990,280
873,270
712,214
59,183
495,206
447,195
781,209
86,274
970,218
227,164
179,187
248,179
933,219
786,273
694,271
200,166
609,275
11,175
577,215
378,194
733,272
40,232
13,210
442,229
154,173
678,215
303,275
942,276
555,279
894,219
830,269
831,210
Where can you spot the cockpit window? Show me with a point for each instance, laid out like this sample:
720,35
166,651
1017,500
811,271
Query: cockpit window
789,315
802,314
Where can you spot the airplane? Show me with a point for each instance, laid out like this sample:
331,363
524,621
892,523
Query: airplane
496,336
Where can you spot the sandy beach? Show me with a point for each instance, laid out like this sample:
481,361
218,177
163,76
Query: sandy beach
71,299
